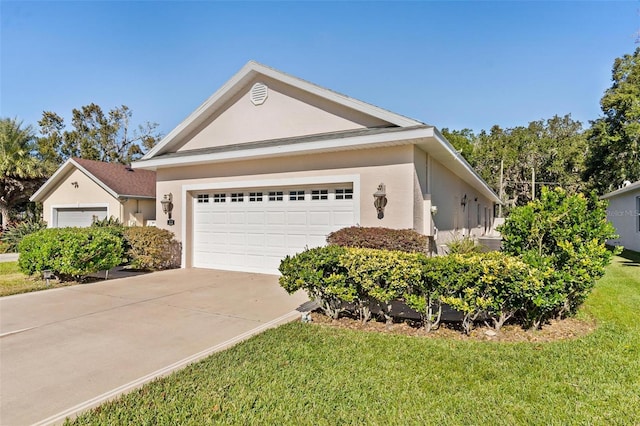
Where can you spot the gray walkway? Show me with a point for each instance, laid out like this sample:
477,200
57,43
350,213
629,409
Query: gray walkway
8,257
67,349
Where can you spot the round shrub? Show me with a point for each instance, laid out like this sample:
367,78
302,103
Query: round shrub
406,240
152,248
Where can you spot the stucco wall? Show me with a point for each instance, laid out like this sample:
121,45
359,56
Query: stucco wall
90,194
137,212
623,213
453,220
393,166
414,182
86,194
286,112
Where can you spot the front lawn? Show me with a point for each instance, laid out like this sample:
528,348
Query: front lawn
12,281
310,374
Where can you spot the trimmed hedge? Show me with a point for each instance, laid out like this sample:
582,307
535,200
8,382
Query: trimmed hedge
493,286
70,253
406,240
152,248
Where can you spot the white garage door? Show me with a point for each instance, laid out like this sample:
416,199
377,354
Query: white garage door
253,229
80,217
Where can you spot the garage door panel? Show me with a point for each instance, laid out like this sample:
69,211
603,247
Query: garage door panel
322,218
79,216
255,218
237,217
297,218
343,218
237,239
274,240
218,218
256,235
276,218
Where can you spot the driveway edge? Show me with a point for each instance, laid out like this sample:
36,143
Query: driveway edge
93,402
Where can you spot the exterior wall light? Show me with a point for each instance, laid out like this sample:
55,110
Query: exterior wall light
434,210
380,200
167,206
463,203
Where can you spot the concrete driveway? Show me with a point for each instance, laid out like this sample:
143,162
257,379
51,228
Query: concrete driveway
68,349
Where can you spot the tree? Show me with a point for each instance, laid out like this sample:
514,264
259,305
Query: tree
614,140
21,172
554,148
462,140
95,135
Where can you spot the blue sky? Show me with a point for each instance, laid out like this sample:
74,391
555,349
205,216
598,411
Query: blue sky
452,64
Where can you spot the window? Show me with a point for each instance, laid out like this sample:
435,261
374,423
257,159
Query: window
320,194
237,197
255,196
344,194
276,196
203,198
219,198
296,195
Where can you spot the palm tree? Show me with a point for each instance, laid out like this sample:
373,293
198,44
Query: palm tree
21,173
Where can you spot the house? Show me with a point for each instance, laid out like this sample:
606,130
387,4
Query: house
624,213
82,191
271,164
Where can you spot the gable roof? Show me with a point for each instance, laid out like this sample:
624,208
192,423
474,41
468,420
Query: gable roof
119,180
624,189
242,78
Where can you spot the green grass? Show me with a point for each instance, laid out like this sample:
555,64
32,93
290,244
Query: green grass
306,374
12,281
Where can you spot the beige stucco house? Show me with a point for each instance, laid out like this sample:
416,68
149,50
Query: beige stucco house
270,164
82,191
624,213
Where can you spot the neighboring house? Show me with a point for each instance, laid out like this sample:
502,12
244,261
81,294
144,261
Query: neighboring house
270,164
624,214
82,191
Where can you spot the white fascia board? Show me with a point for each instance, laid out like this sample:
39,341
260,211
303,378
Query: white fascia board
355,142
250,70
635,185
60,173
459,159
347,101
220,95
52,181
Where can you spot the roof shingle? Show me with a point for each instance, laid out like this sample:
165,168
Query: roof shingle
122,179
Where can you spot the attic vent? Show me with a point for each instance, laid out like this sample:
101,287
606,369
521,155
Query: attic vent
259,93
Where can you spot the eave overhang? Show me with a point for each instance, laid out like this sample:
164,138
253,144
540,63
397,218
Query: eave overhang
428,138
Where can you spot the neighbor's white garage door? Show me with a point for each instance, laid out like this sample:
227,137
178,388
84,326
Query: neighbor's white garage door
81,217
253,229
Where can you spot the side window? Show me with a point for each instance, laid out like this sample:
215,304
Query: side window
276,196
296,195
255,196
319,194
344,194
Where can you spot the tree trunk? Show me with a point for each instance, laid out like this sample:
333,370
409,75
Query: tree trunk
4,212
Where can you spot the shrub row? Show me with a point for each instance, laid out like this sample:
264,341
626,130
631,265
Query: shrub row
406,240
73,253
492,286
70,253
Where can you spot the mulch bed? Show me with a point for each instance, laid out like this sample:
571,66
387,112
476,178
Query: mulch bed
555,330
